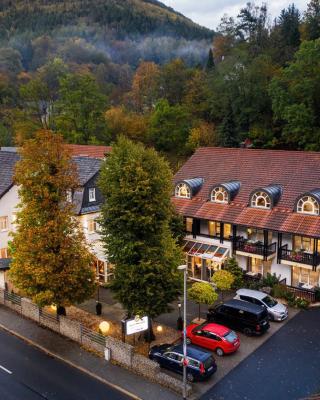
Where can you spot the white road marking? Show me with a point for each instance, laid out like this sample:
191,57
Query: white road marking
5,369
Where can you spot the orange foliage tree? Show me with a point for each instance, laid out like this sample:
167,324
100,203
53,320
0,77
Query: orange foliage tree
51,262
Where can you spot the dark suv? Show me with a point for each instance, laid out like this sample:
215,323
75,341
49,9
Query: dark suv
200,363
249,318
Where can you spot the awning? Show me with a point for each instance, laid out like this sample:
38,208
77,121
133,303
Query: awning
206,251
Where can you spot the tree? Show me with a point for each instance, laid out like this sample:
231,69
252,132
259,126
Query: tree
202,293
81,108
169,127
228,135
312,21
232,266
210,61
145,86
202,135
295,94
223,280
136,185
51,262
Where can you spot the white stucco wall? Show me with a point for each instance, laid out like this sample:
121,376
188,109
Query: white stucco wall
8,206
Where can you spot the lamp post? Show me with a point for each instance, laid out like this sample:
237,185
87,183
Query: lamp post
184,269
179,320
98,304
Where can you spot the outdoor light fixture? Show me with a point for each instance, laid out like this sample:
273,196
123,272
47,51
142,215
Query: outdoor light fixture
159,328
185,270
53,307
104,327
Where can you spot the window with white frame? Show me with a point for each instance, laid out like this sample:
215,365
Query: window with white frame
183,191
261,200
308,205
92,194
219,195
3,223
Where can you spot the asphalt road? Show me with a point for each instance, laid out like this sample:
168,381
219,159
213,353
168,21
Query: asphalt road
286,367
26,373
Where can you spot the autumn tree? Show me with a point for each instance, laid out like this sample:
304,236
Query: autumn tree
223,280
202,293
136,216
145,86
203,135
51,262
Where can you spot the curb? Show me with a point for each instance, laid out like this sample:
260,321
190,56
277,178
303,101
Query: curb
70,363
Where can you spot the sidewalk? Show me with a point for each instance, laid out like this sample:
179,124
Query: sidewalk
74,355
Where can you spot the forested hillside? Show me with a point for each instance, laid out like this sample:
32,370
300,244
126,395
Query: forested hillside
260,80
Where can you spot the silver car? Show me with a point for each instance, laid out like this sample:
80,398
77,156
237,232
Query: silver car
277,311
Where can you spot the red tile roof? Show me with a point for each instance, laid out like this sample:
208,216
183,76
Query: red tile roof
88,150
297,172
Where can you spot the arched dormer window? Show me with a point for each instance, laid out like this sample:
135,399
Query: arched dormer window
261,200
183,191
219,195
308,205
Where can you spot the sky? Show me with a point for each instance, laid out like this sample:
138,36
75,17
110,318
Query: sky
209,12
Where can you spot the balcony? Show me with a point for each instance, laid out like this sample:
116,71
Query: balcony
292,257
257,249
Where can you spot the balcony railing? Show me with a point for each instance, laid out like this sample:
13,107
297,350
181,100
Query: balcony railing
299,257
259,248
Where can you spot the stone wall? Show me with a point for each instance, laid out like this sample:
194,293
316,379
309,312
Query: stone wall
1,296
70,329
121,352
30,310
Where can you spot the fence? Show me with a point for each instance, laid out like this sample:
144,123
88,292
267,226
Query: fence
121,353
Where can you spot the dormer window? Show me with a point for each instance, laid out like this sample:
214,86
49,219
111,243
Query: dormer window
183,191
92,194
261,200
308,205
219,195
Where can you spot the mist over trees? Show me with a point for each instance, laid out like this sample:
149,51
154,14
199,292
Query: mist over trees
94,82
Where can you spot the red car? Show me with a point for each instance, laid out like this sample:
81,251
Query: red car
214,337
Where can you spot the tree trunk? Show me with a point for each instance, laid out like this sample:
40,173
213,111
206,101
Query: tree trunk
199,312
149,334
61,310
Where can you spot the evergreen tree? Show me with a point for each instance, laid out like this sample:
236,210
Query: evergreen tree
51,262
210,62
228,135
312,20
136,217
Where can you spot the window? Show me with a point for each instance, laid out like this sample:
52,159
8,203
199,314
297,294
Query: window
92,194
261,200
69,196
227,231
189,223
3,223
219,195
308,205
92,226
183,191
214,228
3,253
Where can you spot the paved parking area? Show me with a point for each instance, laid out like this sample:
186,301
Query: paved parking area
286,367
248,346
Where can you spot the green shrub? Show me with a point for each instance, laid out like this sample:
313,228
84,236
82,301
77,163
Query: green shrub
302,303
271,280
279,291
232,266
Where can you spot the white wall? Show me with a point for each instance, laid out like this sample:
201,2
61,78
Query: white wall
8,204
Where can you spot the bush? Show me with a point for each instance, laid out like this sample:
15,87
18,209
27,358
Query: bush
291,299
232,266
317,294
279,291
302,303
271,280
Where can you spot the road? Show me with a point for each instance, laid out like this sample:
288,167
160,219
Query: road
26,373
286,367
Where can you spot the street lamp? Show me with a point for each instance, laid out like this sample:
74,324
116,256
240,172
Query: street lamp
184,269
179,320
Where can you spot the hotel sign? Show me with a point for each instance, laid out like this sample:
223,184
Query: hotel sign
135,325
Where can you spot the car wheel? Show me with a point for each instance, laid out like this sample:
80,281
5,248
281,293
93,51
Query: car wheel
247,331
188,341
190,377
219,352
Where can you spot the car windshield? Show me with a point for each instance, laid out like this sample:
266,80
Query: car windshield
230,336
269,301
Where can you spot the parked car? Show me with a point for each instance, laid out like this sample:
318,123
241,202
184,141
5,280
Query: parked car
200,363
277,311
240,315
214,337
